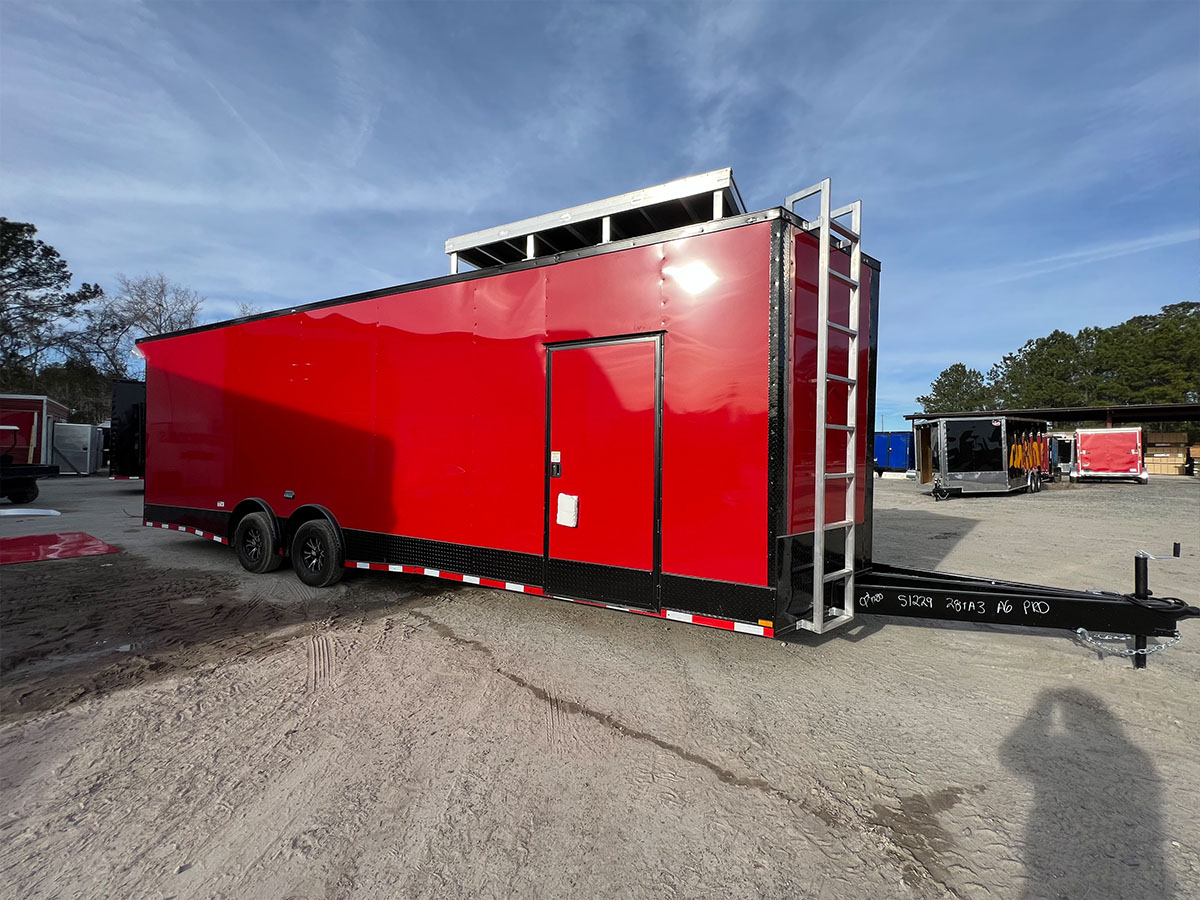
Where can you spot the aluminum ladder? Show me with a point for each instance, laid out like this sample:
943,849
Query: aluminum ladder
830,220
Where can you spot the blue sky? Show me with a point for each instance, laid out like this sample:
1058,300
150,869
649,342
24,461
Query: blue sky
1023,166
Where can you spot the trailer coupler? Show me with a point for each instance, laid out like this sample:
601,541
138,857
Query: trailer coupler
1097,617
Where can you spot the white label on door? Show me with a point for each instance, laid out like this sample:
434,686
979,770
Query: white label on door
568,510
555,456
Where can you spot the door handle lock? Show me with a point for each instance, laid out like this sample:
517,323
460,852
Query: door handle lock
555,470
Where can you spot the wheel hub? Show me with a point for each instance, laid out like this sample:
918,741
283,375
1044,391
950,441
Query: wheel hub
314,555
252,546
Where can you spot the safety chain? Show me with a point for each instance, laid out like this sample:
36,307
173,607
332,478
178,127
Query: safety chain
1095,639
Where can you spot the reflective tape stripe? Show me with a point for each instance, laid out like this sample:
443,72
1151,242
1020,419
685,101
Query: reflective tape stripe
673,615
186,529
449,576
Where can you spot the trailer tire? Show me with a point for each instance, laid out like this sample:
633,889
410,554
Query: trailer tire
254,543
317,554
23,494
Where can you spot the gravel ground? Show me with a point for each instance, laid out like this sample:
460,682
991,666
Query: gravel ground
173,727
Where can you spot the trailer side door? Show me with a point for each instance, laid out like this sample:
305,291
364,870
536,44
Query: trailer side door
602,470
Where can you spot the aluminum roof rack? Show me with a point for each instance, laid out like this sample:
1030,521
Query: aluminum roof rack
685,201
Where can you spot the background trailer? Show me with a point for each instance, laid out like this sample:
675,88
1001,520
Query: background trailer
78,448
127,431
981,455
893,451
1062,452
649,403
1109,453
34,417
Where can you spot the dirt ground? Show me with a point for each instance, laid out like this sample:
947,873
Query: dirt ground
171,726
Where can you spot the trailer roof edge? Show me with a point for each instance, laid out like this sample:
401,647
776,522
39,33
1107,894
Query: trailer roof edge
711,227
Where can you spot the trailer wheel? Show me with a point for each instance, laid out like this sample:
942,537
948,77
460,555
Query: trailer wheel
317,554
254,542
23,494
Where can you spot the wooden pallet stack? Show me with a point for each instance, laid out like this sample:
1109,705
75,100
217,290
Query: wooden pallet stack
1166,453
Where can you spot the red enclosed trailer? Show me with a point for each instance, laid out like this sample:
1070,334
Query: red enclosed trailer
1109,453
650,403
34,417
623,405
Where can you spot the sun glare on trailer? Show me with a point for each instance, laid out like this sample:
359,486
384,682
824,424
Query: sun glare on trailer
695,277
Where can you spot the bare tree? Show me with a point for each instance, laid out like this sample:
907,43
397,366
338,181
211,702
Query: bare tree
106,338
153,305
248,309
144,306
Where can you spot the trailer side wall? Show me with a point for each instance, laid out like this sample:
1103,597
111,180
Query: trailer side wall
422,414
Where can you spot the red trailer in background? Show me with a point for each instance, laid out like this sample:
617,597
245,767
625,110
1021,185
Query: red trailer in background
1109,453
34,417
650,403
27,424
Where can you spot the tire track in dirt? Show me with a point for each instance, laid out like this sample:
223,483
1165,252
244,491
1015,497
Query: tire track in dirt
320,656
555,723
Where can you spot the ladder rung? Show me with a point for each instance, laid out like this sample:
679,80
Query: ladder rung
841,619
844,279
804,194
845,231
845,523
839,474
838,575
842,378
844,329
841,427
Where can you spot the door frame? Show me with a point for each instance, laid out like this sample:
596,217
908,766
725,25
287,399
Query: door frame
923,437
551,346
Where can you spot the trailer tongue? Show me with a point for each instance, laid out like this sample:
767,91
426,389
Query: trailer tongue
1097,617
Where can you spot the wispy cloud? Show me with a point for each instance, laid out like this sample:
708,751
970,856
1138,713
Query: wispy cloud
1084,256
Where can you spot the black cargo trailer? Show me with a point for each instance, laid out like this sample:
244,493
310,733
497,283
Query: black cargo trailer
127,434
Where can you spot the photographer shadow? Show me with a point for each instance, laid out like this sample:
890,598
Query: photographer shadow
1096,828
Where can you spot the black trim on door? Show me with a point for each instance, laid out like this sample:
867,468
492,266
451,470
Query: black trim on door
587,580
607,584
727,599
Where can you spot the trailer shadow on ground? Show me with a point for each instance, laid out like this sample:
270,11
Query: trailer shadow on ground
906,537
75,629
914,537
